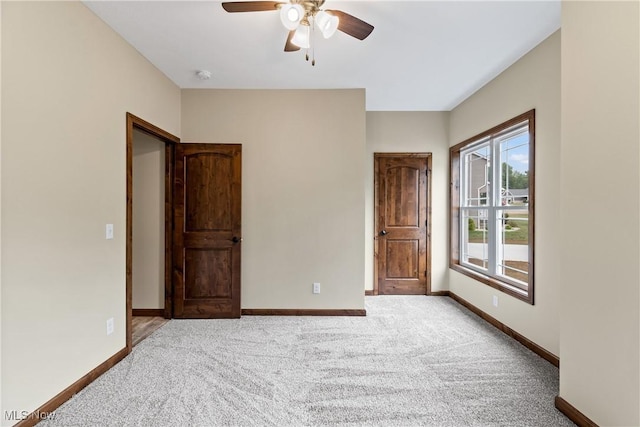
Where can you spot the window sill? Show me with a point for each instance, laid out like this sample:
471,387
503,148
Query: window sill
494,283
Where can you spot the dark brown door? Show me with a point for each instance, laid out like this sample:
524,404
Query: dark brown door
207,233
401,182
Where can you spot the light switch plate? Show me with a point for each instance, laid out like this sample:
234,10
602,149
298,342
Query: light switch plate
109,231
316,288
110,326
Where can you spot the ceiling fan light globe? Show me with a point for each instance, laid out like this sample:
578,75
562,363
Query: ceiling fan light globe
291,15
327,23
301,37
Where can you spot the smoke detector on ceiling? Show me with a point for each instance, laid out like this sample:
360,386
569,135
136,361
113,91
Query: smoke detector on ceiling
203,74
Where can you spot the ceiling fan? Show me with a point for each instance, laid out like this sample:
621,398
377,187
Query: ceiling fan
299,17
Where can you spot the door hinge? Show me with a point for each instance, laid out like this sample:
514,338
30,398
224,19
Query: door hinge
425,273
425,222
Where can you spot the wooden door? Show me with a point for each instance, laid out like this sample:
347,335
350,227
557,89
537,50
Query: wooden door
207,231
401,209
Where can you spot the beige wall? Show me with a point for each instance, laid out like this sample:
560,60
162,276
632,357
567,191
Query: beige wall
67,81
532,82
302,189
148,221
1,405
599,234
408,132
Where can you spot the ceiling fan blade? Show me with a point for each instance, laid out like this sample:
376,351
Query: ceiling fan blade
250,6
288,46
351,25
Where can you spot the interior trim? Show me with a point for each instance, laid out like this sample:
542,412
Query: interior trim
169,140
371,292
154,312
302,312
573,414
545,354
439,294
66,394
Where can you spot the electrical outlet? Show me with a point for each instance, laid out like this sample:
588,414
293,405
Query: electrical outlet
316,288
110,326
495,300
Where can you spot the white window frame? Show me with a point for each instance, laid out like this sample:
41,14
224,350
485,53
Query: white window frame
467,204
494,202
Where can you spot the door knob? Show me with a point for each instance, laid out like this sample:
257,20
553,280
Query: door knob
383,233
236,239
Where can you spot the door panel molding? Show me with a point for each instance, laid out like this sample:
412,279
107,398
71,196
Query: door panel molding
169,140
403,219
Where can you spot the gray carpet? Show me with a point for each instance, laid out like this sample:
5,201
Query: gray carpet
412,361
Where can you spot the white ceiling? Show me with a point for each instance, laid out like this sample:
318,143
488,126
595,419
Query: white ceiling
421,56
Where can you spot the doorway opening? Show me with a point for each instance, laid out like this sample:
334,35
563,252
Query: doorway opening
141,130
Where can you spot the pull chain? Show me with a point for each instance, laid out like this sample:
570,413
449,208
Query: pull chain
313,43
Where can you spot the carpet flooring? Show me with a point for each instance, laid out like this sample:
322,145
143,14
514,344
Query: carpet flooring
412,361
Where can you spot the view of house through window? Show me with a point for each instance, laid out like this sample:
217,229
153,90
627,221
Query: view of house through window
495,206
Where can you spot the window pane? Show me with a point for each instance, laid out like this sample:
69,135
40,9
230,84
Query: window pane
513,244
477,176
514,169
475,243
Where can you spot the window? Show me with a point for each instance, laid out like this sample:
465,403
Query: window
492,206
